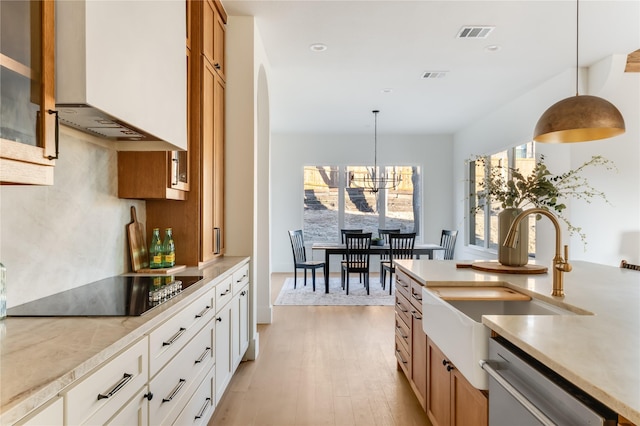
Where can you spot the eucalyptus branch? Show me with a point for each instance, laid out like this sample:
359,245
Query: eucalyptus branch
540,188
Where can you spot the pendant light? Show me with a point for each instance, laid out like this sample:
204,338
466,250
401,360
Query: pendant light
374,181
579,118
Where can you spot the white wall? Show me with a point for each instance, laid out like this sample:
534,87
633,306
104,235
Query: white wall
247,159
291,152
72,233
612,230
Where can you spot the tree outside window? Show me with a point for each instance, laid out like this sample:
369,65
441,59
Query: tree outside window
332,202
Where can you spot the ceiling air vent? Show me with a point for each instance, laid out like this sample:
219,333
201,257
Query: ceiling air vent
428,75
475,32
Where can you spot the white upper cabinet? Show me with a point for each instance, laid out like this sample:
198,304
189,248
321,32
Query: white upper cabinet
121,71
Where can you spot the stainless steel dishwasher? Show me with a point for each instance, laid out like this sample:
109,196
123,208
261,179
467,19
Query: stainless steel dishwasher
524,392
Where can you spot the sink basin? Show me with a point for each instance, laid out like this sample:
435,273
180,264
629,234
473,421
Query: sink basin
455,326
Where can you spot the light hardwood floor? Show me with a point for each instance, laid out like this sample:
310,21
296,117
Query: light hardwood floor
322,365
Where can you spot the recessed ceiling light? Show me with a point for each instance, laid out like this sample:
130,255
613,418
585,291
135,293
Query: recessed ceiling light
387,90
492,48
318,47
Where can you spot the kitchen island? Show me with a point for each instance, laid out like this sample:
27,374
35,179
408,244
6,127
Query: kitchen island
599,353
40,357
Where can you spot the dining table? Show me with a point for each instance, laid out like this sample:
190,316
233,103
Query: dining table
341,249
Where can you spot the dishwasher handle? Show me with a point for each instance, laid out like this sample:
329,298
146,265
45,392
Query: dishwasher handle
517,395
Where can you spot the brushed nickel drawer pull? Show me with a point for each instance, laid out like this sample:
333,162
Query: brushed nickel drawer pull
207,403
225,292
239,280
125,379
414,314
174,337
419,299
175,391
203,356
203,312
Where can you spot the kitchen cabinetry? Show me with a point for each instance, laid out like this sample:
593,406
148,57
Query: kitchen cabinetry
240,314
198,222
95,399
52,413
411,341
162,175
27,62
443,392
451,399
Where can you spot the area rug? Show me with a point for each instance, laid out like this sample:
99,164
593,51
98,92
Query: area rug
305,296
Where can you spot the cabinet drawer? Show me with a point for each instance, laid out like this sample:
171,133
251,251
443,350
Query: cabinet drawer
416,296
135,413
223,293
402,355
402,331
167,340
403,283
240,279
200,407
49,415
95,399
173,386
403,308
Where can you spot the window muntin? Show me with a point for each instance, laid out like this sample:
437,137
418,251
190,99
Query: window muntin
483,222
331,203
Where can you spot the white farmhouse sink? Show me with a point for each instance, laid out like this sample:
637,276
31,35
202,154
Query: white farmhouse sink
455,326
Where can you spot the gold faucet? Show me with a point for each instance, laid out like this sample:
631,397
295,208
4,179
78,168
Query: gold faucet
560,265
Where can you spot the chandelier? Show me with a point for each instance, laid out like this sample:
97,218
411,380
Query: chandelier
375,179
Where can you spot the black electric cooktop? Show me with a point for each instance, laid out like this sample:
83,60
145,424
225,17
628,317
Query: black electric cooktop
115,296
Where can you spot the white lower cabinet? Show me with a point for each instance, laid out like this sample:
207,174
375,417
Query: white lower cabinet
96,398
201,405
240,332
51,414
177,381
223,350
135,413
175,375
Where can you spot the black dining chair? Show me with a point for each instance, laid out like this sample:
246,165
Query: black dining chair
400,247
384,234
343,232
300,259
356,258
448,241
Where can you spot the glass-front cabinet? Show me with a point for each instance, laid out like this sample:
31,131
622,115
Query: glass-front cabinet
27,101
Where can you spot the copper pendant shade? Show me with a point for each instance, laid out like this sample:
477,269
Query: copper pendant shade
579,118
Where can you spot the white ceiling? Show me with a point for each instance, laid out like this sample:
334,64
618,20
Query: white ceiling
376,45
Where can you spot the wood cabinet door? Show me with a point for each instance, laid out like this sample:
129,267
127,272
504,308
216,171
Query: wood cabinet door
419,357
469,406
218,166
207,161
438,387
27,62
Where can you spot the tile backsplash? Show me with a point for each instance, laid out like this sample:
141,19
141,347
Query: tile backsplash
53,238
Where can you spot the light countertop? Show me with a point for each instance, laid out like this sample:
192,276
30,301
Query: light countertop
41,356
599,353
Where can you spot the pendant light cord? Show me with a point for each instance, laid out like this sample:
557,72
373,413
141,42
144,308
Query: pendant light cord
375,142
577,40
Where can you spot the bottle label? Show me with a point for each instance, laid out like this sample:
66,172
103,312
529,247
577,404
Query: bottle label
157,259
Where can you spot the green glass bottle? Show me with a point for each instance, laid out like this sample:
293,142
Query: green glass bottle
168,249
155,250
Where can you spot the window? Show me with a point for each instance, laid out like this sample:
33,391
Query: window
332,203
483,222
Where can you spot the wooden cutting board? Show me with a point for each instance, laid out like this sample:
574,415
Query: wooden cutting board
137,244
478,293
